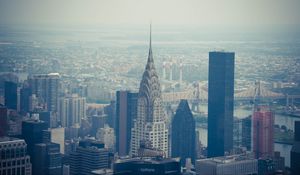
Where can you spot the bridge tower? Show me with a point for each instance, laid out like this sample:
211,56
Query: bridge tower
196,101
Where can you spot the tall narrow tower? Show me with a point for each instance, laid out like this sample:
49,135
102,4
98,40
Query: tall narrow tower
220,103
150,125
263,122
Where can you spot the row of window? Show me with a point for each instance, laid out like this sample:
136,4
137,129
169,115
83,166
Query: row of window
16,171
12,153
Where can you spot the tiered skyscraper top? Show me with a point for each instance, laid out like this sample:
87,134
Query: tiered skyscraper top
150,126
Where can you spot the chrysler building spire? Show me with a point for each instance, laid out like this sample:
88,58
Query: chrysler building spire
150,56
150,124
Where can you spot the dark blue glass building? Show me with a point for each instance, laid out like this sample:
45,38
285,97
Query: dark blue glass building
220,103
11,96
183,133
126,112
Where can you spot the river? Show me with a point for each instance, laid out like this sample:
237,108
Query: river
288,121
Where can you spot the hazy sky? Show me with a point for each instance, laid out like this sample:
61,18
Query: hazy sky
245,13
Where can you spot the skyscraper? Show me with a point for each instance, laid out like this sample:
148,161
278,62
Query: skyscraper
246,132
263,122
147,166
126,112
32,134
295,152
183,133
150,125
11,95
46,88
25,94
71,110
13,156
220,103
47,159
98,121
3,121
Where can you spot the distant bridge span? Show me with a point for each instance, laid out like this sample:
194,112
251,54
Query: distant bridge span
200,94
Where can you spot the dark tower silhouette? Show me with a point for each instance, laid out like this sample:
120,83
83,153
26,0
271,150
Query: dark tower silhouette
295,152
25,94
183,133
126,110
220,103
32,134
11,95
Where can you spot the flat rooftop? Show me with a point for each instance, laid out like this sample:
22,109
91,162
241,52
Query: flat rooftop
9,139
229,159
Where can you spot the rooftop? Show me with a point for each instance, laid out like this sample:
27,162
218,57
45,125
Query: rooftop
229,159
6,139
148,160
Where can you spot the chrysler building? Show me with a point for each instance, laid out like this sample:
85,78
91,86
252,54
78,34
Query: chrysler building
150,125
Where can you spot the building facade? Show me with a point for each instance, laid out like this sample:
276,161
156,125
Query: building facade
11,95
126,111
263,132
225,165
32,134
107,136
3,121
46,89
71,110
13,157
246,132
47,159
89,155
220,103
25,94
150,125
295,152
183,133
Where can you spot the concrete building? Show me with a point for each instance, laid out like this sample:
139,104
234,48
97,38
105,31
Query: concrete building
14,158
150,125
71,110
107,136
55,135
220,103
236,164
46,89
263,132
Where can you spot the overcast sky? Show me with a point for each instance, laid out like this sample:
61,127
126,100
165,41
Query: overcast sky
245,13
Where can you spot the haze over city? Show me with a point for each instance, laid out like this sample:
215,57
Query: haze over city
149,87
